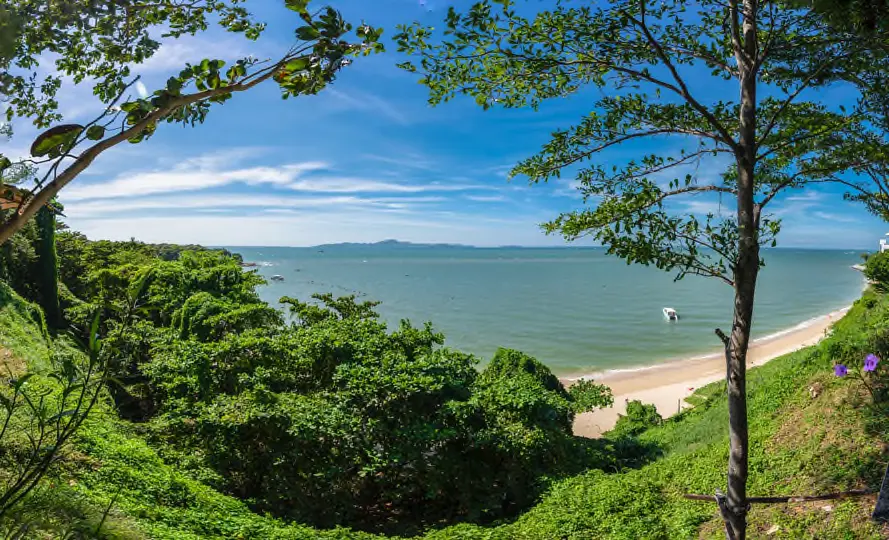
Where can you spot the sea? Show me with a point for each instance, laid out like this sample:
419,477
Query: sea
578,310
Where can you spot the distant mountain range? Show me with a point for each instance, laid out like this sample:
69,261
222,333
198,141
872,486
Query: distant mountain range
389,244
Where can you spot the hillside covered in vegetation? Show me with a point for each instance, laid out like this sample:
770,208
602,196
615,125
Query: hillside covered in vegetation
223,418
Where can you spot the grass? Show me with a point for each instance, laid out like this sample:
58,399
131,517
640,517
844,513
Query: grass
800,444
23,336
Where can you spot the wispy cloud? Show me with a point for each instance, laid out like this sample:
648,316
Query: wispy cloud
361,185
486,198
365,101
174,54
408,161
189,178
839,218
109,207
706,207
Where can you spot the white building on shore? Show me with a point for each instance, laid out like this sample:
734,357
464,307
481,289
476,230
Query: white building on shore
884,245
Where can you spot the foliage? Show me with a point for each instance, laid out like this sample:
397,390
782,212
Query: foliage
39,419
331,419
876,269
188,293
645,55
86,42
337,421
805,446
639,417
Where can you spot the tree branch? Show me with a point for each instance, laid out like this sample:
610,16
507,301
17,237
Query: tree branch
36,201
790,498
683,88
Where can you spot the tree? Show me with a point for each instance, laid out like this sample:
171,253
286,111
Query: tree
99,41
772,139
48,267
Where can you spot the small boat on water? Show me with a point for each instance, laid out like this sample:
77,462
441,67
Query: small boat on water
277,277
670,314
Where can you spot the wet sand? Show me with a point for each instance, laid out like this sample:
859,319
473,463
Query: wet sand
667,385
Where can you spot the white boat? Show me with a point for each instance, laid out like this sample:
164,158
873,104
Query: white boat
277,277
670,314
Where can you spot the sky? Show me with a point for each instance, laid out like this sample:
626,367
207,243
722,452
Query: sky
365,160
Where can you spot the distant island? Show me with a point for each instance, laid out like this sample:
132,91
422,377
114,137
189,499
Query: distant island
400,244
390,244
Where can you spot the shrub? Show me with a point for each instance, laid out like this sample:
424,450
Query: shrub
639,417
877,269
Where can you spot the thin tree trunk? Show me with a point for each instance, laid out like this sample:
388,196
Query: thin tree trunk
48,267
745,274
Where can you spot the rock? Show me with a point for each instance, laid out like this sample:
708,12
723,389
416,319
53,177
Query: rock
773,530
815,390
827,508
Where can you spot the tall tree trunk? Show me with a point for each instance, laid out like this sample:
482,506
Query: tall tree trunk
48,267
746,270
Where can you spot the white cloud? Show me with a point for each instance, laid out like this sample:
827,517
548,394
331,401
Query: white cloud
190,176
486,198
106,207
839,218
410,161
140,88
174,54
358,185
704,207
365,101
217,169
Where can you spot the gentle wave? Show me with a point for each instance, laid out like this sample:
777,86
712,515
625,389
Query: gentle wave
808,323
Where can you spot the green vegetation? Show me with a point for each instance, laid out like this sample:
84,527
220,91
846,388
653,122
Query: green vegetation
648,59
259,427
328,418
639,417
876,269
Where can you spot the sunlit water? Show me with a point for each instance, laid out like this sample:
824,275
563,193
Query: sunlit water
578,310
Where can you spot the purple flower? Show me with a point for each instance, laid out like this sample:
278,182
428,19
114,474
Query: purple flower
870,363
840,370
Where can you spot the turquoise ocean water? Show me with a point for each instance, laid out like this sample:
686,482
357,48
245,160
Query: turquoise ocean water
577,310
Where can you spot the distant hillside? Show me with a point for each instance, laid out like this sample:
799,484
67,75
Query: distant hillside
390,244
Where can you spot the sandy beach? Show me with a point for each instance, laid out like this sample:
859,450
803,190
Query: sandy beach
667,385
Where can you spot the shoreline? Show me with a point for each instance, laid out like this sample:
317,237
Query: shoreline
667,385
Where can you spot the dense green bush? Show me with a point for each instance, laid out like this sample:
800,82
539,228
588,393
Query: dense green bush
639,417
335,420
331,418
877,269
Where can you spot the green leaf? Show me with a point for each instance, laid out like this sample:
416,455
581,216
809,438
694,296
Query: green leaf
307,33
299,6
5,163
18,383
56,140
95,133
297,64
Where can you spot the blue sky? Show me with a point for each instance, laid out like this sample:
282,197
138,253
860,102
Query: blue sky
365,160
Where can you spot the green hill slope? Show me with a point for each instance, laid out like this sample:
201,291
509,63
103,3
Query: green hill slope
811,432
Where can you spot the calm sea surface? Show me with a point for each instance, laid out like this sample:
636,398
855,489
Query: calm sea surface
577,310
